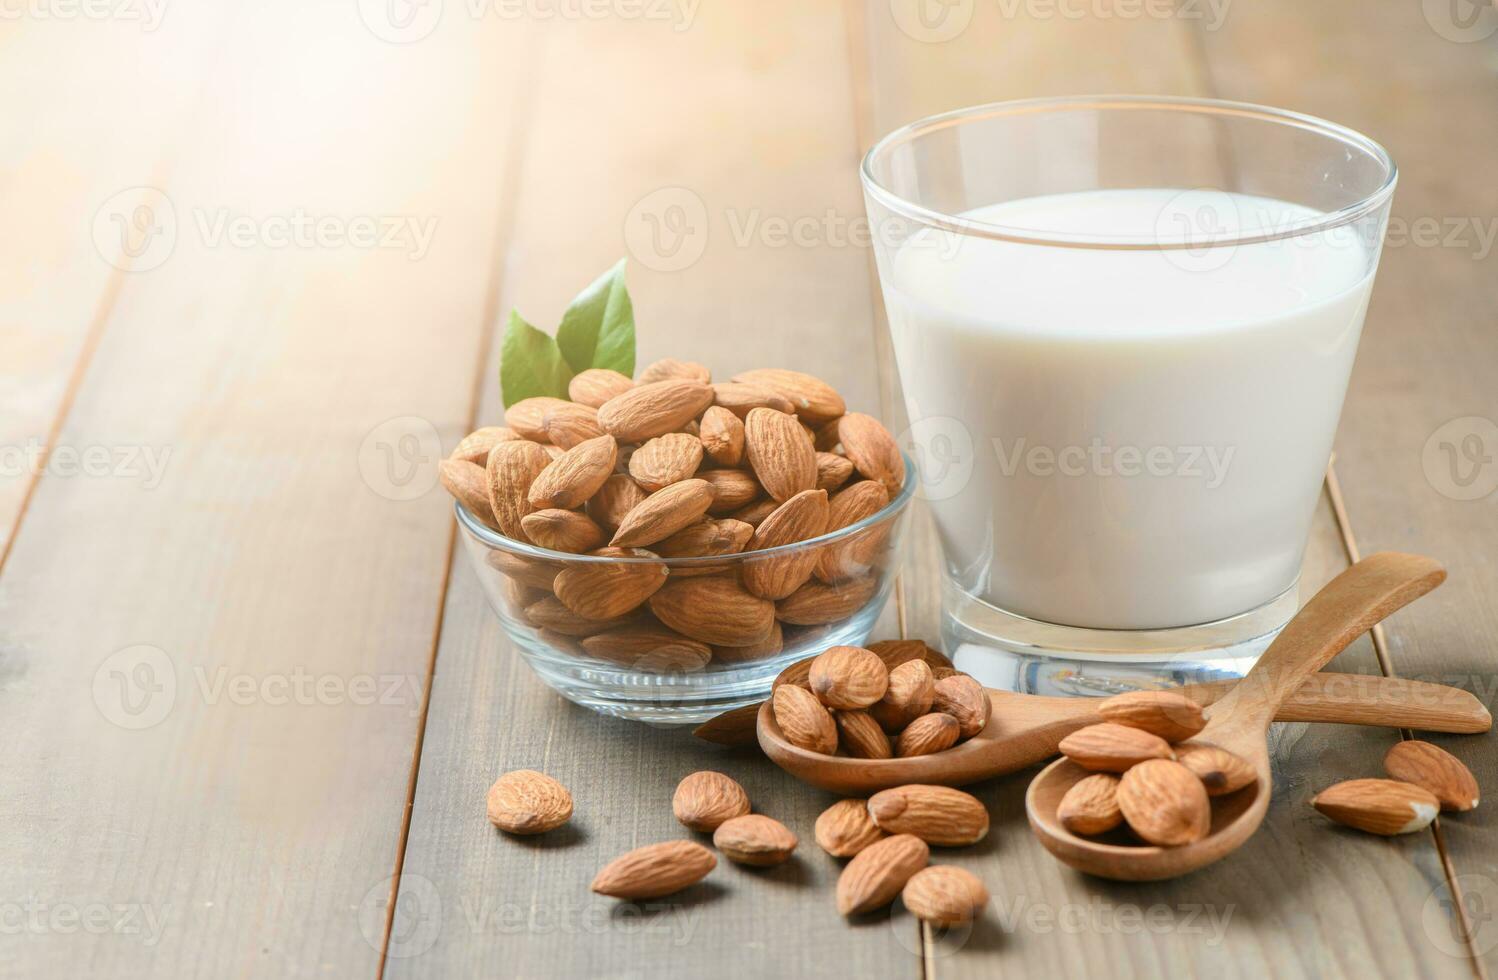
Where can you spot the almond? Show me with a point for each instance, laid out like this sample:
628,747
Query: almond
663,513
722,435
754,514
945,894
803,720
801,518
780,453
1220,771
1164,803
1378,806
705,539
533,572
732,489
714,610
617,497
570,424
570,479
474,447
896,652
909,695
845,828
670,369
964,699
1107,747
512,470
848,677
1434,769
877,873
832,471
562,530
853,556
654,409
817,604
735,728
553,614
798,674
813,399
934,732
528,417
771,645
655,870
665,460
648,647
938,815
872,450
741,399
604,590
1091,805
470,485
860,735
755,840
595,386
1173,717
528,802
705,799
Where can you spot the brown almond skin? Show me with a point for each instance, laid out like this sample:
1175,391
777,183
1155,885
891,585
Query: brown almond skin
604,590
845,828
929,733
571,424
595,386
470,485
655,870
528,802
801,518
740,399
648,647
1378,806
780,453
562,530
832,471
528,417
1220,771
512,470
1164,803
553,614
848,677
817,604
965,699
570,479
722,435
619,495
732,489
665,460
803,720
872,450
1173,717
909,695
705,799
813,400
1091,805
851,558
715,610
771,645
474,447
755,840
1434,769
754,514
663,513
860,735
670,369
896,652
705,539
945,895
938,815
650,410
734,729
878,873
1107,747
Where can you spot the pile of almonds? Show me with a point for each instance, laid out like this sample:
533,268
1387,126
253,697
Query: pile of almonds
897,698
673,466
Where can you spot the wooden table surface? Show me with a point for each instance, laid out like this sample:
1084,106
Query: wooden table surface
255,260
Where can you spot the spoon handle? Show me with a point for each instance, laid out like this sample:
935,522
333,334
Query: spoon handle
1349,605
1369,699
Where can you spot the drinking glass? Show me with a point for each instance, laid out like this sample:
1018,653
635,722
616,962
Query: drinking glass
1124,329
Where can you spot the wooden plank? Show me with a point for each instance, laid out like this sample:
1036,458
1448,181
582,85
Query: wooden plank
231,798
754,127
1426,366
1325,887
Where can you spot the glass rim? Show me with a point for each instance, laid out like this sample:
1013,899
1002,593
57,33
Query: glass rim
498,542
956,224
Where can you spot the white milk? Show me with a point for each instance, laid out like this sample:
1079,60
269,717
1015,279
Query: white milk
1149,429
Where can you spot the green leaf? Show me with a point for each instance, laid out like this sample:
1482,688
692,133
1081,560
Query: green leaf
598,329
530,364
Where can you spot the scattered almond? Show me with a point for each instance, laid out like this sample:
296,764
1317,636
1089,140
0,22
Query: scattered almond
528,802
938,815
878,872
1434,769
848,677
944,894
845,828
1164,803
1220,771
755,840
1379,806
929,733
1173,717
780,453
1108,747
705,799
803,720
1091,805
860,735
655,870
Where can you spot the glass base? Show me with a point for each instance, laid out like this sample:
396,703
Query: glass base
1010,652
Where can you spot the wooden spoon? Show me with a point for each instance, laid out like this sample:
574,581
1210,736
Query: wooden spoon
1346,608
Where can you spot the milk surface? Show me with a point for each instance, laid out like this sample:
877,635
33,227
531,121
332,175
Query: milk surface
1147,431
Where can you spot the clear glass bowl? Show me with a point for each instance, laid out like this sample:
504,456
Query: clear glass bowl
635,666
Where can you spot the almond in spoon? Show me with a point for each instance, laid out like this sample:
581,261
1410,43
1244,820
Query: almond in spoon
1164,803
1091,805
803,720
1220,771
1171,716
935,732
860,735
1107,747
848,677
965,699
909,695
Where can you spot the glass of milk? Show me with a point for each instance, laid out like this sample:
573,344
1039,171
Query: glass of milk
1124,329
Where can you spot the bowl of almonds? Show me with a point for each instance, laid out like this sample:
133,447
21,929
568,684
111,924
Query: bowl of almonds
661,547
